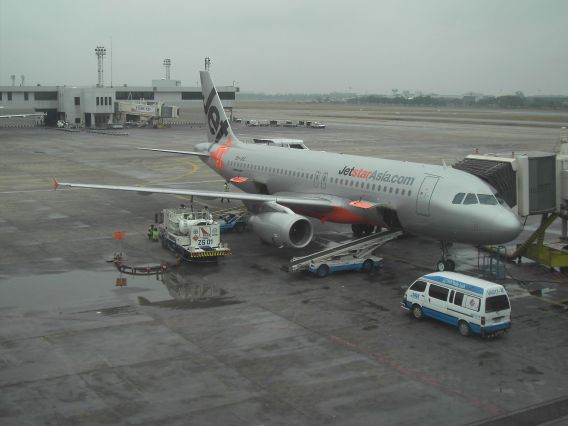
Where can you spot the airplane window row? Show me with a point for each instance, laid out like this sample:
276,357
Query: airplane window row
487,199
371,187
336,181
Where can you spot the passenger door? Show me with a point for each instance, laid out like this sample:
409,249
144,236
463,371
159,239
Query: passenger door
425,194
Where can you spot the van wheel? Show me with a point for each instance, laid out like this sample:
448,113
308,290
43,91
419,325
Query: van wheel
322,271
367,265
463,328
417,312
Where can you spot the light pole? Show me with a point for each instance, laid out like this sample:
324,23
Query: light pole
100,51
167,64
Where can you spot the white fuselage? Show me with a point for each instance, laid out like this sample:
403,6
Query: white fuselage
417,197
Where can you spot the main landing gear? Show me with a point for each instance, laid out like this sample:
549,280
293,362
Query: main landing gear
361,230
445,263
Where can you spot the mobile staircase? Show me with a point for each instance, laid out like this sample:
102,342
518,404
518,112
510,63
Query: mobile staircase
352,255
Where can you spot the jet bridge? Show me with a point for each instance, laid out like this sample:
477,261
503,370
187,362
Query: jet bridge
526,180
534,183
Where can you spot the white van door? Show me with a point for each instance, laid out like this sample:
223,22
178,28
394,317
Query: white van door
438,298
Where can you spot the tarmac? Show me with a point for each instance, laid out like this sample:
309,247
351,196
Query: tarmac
242,342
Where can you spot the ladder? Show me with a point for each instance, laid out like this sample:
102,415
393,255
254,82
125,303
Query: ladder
361,246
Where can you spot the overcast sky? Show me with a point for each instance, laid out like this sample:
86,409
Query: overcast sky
365,46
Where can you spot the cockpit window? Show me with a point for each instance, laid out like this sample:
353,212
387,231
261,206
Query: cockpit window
458,198
470,199
500,199
487,199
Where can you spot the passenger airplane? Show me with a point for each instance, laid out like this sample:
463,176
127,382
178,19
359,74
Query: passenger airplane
31,114
282,186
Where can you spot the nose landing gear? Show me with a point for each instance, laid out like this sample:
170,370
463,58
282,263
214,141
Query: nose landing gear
445,263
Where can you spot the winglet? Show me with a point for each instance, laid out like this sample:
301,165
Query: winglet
55,183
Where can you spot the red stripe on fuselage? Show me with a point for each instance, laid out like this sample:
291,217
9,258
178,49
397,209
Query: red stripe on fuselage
218,154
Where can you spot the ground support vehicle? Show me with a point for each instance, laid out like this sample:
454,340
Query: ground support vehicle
470,304
193,235
352,255
233,221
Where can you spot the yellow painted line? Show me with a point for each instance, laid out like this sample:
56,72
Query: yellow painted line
193,169
551,301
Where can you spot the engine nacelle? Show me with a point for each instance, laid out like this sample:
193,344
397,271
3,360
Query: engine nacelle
282,229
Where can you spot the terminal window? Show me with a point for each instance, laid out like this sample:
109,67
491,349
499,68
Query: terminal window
26,96
227,95
77,100
9,96
134,95
45,96
187,96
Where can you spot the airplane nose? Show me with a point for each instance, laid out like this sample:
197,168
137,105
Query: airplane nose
507,226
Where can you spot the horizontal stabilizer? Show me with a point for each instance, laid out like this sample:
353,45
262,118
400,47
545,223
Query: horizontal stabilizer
172,151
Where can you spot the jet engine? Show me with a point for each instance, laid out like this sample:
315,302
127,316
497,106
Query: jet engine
282,229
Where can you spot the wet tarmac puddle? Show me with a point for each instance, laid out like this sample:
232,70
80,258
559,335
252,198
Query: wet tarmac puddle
112,293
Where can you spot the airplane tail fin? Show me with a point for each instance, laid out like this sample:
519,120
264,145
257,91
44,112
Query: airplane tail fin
218,126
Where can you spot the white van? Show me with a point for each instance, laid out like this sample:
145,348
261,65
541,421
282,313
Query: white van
468,303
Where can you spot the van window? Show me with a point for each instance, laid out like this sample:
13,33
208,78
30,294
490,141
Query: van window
438,292
471,302
451,298
496,303
418,286
458,299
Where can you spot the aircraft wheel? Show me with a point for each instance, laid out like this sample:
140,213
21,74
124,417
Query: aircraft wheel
367,266
450,265
368,229
322,271
417,312
441,266
357,230
463,328
239,227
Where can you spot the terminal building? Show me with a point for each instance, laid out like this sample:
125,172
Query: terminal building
99,106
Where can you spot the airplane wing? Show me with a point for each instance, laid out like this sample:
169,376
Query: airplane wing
171,151
293,199
296,199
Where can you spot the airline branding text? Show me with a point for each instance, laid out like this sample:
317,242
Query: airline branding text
216,126
376,175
